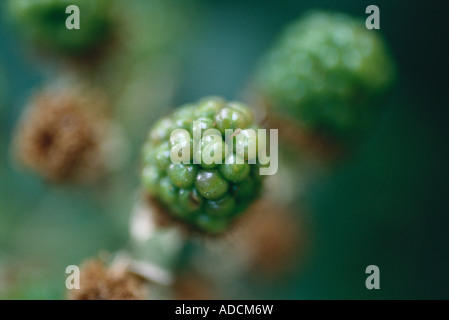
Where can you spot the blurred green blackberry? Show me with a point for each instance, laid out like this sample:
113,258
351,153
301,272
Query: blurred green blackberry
329,73
44,23
206,197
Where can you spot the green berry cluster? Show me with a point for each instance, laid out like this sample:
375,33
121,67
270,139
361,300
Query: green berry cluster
206,196
329,73
44,22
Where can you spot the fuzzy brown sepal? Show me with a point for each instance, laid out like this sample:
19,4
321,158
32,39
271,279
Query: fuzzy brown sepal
274,238
98,282
61,135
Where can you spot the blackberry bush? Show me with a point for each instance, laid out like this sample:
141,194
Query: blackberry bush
206,197
328,73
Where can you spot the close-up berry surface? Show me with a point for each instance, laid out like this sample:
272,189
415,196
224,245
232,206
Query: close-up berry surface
206,196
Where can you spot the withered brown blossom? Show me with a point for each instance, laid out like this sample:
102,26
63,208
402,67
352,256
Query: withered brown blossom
274,238
98,282
193,286
62,135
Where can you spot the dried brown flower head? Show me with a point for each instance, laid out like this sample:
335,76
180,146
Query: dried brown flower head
62,133
273,237
98,282
193,286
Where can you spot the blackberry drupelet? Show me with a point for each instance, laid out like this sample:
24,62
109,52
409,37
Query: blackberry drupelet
206,197
328,74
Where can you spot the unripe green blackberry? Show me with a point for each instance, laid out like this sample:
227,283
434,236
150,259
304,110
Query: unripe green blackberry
329,74
44,23
206,197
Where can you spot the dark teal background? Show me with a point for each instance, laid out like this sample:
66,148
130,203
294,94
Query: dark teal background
386,205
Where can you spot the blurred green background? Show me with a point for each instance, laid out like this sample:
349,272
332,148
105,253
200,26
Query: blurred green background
386,205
